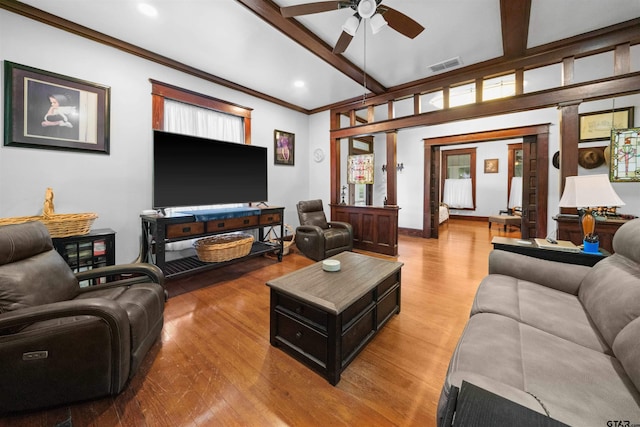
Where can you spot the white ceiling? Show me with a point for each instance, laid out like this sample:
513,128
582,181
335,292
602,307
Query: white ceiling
226,39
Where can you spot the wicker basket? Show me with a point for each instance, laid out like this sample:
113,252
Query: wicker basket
59,225
224,247
289,238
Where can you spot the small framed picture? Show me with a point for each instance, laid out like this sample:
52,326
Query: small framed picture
597,126
491,166
284,145
52,111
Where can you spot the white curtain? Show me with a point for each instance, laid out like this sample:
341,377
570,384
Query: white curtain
515,198
458,193
197,121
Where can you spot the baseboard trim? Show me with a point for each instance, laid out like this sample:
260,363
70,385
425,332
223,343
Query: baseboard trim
413,232
470,218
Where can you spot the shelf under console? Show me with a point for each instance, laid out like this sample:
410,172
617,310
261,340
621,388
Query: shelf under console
192,264
159,230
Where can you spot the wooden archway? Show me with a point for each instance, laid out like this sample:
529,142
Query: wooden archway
535,143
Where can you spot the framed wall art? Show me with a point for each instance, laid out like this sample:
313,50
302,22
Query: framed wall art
284,145
360,169
597,126
491,166
52,111
624,165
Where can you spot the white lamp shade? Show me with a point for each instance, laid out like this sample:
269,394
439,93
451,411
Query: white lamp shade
366,8
351,25
377,23
589,191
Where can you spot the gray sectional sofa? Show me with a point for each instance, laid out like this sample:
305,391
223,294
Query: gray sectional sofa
561,339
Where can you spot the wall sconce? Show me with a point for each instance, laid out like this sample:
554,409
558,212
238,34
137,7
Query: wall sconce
399,167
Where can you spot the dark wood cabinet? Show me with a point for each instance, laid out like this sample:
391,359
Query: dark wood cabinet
569,229
92,250
375,229
158,230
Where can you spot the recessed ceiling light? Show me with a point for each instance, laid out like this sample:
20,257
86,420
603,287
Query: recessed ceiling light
148,10
298,83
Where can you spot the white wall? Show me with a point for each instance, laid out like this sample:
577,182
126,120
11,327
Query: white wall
491,188
118,186
319,172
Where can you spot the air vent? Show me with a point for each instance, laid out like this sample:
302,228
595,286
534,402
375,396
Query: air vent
445,65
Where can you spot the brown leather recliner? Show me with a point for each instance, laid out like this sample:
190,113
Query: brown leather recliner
318,238
61,343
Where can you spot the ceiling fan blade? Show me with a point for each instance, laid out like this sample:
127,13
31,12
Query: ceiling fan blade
309,8
343,43
400,22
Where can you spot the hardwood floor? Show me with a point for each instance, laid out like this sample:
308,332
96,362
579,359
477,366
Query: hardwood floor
214,366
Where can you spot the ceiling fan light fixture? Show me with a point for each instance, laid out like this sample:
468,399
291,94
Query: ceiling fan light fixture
351,25
367,8
377,23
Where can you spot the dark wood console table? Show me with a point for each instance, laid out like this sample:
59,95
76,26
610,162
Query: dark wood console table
158,230
375,228
569,229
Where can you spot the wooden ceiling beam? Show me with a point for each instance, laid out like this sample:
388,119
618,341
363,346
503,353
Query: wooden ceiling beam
268,11
515,26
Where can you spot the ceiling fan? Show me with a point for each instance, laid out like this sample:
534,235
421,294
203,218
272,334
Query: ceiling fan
378,14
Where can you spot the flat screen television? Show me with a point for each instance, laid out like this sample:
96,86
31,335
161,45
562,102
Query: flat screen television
192,171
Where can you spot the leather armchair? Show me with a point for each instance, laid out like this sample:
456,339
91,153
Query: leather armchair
61,343
318,238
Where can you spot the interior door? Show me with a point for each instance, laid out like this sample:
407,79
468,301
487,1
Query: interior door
534,186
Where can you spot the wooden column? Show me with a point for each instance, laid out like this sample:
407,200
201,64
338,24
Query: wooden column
622,59
392,173
569,135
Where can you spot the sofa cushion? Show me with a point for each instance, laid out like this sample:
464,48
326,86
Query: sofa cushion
610,293
550,310
626,241
627,349
557,275
573,384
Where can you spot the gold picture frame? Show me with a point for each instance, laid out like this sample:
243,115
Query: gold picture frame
284,145
491,166
597,126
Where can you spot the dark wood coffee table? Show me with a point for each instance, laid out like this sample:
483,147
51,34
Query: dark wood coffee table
324,319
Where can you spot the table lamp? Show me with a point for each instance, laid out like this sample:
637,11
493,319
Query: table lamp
584,193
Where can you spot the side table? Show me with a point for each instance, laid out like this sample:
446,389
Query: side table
530,248
569,229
